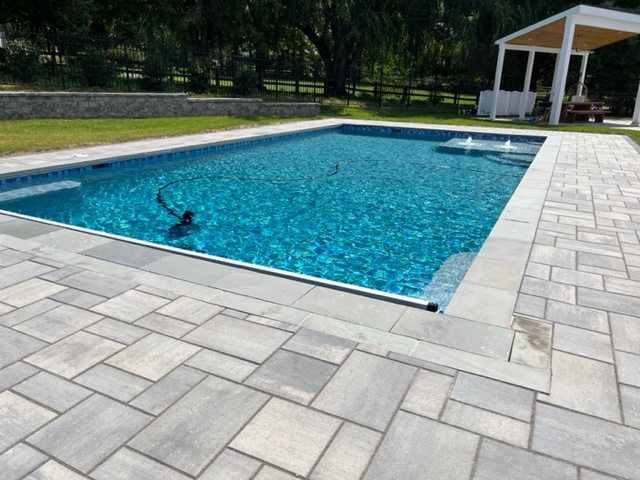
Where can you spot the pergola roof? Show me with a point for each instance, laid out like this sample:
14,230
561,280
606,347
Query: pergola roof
594,28
576,31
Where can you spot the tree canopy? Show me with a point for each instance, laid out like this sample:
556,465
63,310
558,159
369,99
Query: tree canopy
408,38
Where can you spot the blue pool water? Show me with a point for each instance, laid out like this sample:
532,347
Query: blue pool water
383,210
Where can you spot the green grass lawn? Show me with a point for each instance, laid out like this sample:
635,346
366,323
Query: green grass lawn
24,136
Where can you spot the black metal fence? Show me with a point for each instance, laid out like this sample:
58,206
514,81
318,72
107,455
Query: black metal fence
60,61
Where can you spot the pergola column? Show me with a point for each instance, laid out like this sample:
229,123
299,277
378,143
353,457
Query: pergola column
496,82
561,72
583,73
527,84
635,121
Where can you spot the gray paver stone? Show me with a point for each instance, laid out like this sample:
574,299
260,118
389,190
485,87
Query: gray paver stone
497,461
591,475
130,306
487,423
19,272
126,464
17,462
165,325
492,395
587,441
417,447
531,350
417,362
90,432
455,332
270,473
238,337
97,283
348,455
162,394
60,273
58,323
196,428
625,331
577,316
190,310
548,255
75,354
350,307
53,392
549,290
583,342
630,397
52,470
153,356
118,331
287,435
14,374
125,253
25,313
428,394
366,390
11,257
266,287
628,368
530,305
292,376
231,465
15,346
612,302
320,345
78,298
112,382
222,365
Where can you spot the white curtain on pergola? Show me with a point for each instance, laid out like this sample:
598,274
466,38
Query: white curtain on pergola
576,31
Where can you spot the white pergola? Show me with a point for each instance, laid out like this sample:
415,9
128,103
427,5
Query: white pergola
576,31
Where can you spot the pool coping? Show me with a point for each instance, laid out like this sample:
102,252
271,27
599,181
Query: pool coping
483,297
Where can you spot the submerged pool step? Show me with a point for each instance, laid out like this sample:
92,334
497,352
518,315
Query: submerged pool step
447,278
482,145
37,190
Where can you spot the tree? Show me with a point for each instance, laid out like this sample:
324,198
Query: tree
74,16
340,30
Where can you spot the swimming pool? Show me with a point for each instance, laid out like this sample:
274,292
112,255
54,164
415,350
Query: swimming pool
368,206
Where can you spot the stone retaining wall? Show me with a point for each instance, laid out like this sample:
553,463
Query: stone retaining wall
123,105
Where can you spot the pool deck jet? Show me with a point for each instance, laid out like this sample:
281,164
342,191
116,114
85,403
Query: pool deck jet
125,360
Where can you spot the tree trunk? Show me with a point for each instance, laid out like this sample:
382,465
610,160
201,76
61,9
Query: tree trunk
336,76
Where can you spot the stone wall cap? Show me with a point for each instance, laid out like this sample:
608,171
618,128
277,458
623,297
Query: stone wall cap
225,100
92,94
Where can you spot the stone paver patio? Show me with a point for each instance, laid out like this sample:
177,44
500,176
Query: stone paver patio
121,360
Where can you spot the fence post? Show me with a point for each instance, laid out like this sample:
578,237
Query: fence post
126,67
315,78
380,89
64,87
233,76
277,83
347,81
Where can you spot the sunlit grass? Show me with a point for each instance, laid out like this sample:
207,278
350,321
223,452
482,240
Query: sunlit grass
22,136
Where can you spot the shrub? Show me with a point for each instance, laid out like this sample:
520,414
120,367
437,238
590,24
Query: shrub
245,82
157,65
98,71
200,75
23,61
